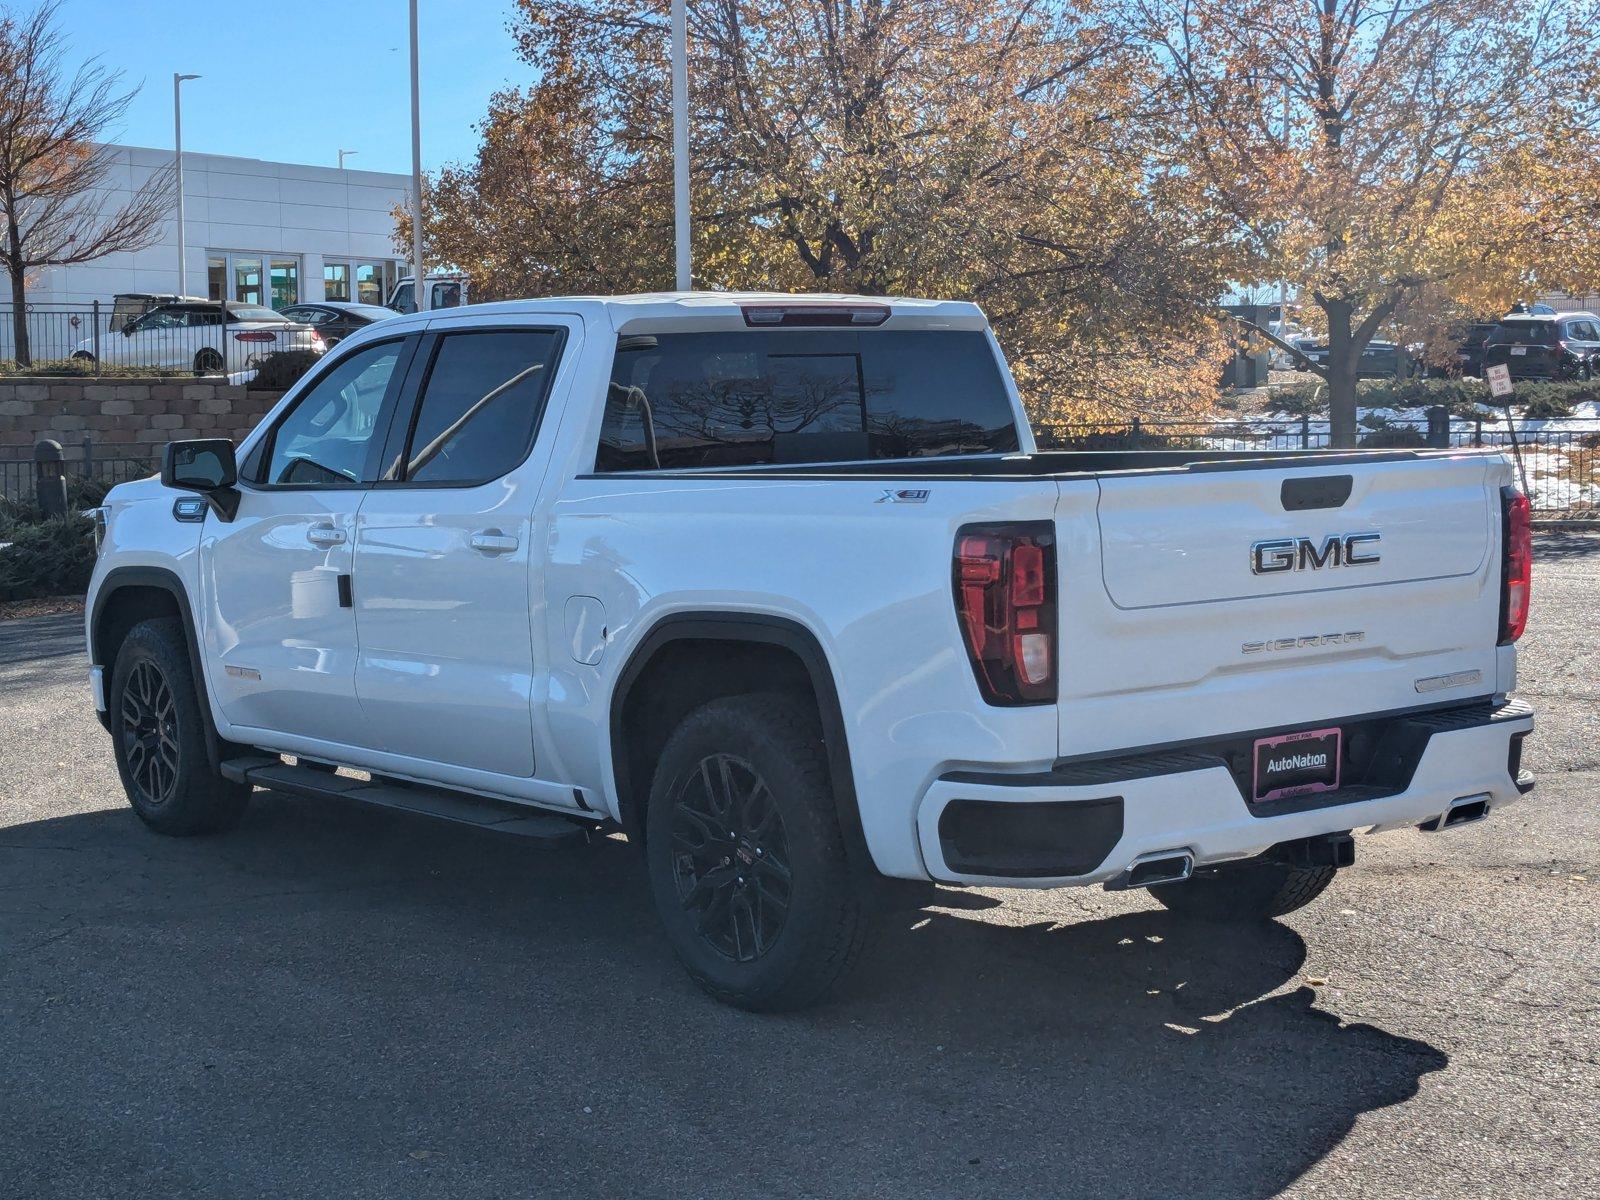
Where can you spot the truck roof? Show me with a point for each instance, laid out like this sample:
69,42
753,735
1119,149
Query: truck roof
647,311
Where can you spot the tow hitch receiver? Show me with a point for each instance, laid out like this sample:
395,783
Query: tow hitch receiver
1325,850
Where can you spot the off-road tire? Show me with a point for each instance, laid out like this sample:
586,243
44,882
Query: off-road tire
1257,890
825,918
186,797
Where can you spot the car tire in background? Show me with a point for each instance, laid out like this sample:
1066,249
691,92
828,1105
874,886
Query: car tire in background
746,860
208,362
158,736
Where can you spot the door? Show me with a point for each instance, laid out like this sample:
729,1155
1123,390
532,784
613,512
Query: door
445,555
152,340
279,631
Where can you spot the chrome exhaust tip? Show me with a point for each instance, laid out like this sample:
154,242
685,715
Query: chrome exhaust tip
1463,810
1152,870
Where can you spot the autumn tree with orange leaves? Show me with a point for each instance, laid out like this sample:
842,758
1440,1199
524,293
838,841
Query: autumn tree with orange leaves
1388,155
1016,155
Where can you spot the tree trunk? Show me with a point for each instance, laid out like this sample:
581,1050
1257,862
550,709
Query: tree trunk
1342,358
19,318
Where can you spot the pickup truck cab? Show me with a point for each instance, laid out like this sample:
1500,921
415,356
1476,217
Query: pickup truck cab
782,588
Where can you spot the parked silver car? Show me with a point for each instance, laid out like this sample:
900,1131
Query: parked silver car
208,337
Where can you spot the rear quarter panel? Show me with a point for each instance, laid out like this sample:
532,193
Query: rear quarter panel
870,579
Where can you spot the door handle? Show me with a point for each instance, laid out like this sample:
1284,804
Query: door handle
492,541
325,535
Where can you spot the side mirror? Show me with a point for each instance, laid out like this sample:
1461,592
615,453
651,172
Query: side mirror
207,466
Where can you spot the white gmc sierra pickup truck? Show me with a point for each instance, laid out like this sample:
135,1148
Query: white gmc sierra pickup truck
780,587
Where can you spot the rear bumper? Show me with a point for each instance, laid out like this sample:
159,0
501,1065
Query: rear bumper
1087,823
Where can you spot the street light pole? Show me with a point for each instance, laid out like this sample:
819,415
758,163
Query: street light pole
419,290
343,154
680,146
1283,283
177,154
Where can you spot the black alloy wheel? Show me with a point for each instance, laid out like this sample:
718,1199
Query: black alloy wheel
745,856
730,857
160,736
150,733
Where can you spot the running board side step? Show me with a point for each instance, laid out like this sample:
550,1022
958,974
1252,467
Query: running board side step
464,808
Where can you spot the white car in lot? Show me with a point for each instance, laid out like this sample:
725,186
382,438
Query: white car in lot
208,337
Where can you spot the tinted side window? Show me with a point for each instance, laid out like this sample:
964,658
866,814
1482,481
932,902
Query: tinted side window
328,437
480,406
799,396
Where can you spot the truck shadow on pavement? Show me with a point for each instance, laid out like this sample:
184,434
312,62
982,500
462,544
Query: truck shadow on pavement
387,1007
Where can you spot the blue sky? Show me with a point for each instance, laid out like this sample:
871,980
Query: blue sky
296,80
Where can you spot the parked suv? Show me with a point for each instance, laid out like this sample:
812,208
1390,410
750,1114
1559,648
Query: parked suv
781,588
1559,346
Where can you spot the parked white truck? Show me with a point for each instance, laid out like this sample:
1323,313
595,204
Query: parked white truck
781,587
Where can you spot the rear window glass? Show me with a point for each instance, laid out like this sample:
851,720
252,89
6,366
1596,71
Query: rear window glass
1539,332
750,398
253,312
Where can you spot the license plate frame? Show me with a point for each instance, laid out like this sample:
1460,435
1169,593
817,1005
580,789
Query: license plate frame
1292,779
1519,351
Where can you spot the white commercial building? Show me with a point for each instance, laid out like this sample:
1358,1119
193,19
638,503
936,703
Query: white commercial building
257,232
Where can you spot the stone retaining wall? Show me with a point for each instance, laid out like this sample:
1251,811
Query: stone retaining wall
123,418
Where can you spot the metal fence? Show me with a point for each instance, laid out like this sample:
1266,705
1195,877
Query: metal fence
115,339
1560,458
87,471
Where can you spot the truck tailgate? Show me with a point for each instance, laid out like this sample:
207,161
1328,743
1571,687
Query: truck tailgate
1227,598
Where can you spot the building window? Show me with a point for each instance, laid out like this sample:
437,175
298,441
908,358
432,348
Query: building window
374,280
251,278
336,281
247,280
285,282
217,276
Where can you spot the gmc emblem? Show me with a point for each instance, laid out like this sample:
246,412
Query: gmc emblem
1303,554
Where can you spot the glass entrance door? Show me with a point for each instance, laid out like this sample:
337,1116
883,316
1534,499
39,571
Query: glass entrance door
285,282
246,277
246,280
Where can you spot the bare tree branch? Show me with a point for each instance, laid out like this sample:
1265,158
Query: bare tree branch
56,184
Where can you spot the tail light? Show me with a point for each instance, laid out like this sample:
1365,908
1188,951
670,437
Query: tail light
1516,577
1005,592
256,335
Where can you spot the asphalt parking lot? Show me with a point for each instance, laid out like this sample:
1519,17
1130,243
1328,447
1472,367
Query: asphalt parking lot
348,1003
